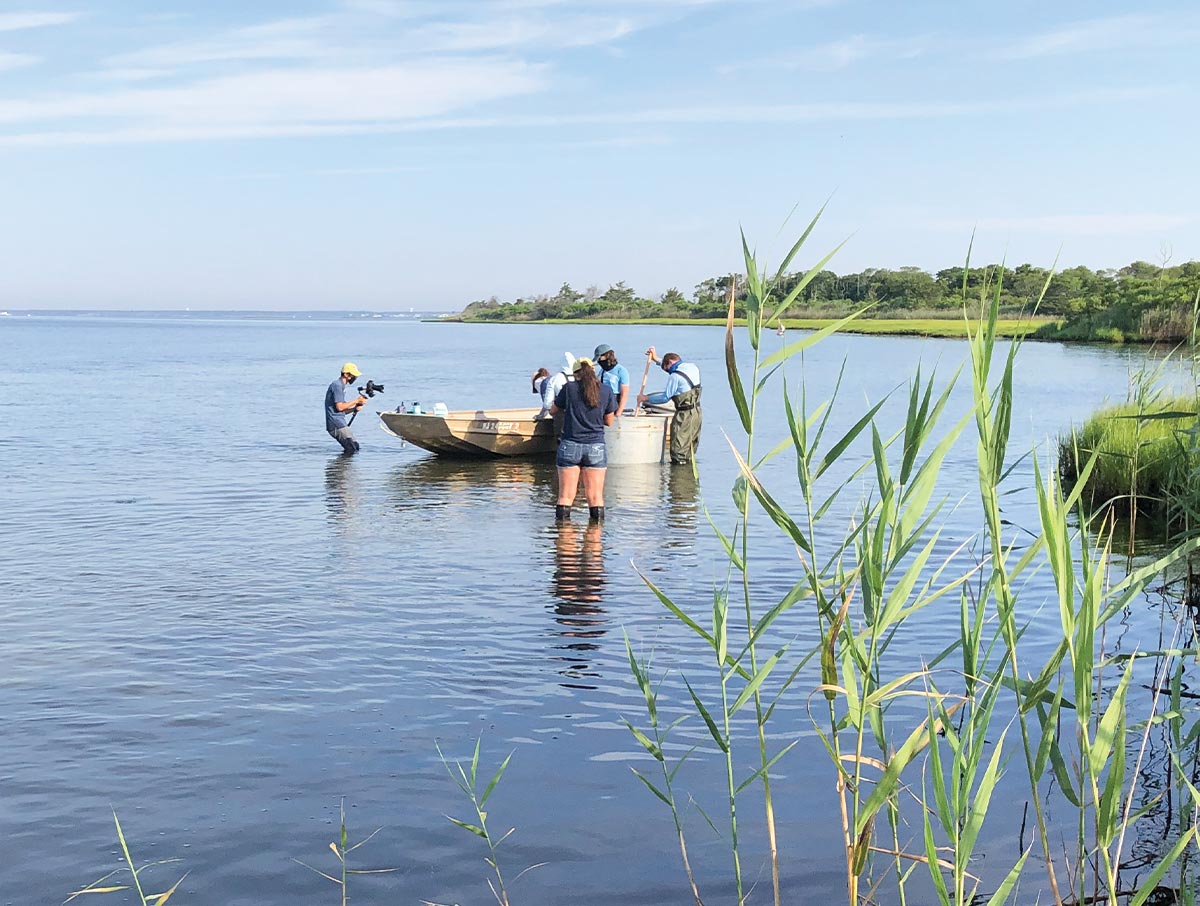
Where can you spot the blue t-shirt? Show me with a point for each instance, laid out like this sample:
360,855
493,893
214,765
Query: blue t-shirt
335,394
614,380
582,423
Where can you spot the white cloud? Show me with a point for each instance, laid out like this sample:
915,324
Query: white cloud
284,39
284,101
1109,33
577,31
1073,224
420,97
20,21
17,60
835,55
345,36
131,74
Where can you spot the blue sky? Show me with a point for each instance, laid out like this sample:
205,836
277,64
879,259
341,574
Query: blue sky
426,153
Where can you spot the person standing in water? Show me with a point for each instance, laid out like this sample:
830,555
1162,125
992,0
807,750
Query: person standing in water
587,406
614,375
336,407
681,396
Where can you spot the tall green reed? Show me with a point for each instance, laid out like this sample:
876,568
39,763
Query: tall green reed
865,582
130,867
467,779
341,849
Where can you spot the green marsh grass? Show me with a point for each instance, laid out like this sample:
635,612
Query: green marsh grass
1146,456
913,793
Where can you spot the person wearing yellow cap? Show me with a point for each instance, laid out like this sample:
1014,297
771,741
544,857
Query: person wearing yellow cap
336,407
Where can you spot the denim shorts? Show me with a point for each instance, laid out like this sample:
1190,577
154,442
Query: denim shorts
587,456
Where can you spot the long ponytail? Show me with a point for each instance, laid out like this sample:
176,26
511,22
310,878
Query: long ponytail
589,383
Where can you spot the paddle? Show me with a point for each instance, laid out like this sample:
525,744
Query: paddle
637,409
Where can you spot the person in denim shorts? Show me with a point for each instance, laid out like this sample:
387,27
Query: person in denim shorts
587,407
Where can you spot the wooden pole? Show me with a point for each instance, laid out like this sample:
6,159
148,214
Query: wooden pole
637,409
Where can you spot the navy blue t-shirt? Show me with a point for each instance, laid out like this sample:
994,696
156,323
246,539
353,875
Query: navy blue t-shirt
335,394
582,423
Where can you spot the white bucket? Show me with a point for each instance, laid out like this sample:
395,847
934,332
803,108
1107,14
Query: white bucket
632,440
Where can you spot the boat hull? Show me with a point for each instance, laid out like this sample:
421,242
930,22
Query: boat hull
516,432
483,432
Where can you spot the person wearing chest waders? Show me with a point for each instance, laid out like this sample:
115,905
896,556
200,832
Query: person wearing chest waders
681,398
587,407
336,407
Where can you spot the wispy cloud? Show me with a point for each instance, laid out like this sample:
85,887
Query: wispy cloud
284,39
20,21
280,102
835,55
1106,224
1110,33
417,98
17,60
577,31
375,30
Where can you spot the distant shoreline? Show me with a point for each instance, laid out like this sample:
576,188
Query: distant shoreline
948,328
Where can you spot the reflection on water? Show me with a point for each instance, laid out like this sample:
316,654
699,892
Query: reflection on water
435,480
340,498
459,603
683,509
578,589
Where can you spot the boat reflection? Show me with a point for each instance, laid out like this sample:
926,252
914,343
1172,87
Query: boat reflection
440,481
578,589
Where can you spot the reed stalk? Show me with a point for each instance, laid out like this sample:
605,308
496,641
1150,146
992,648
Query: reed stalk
467,780
341,849
867,580
134,871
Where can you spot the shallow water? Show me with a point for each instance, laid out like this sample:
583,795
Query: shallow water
219,628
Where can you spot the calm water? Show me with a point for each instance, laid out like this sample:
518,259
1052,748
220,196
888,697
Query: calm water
219,628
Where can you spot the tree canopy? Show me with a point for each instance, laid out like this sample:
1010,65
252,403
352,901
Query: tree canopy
1141,301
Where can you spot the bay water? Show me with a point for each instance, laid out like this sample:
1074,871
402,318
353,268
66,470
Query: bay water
221,629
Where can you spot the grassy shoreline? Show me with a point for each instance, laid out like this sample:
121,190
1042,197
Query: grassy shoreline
952,328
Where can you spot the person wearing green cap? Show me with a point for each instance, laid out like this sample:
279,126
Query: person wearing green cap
336,407
613,375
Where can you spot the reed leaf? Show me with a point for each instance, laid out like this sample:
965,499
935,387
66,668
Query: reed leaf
759,678
809,341
718,738
731,370
1150,885
652,788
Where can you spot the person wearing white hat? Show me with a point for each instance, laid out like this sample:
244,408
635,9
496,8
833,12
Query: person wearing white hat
551,385
336,407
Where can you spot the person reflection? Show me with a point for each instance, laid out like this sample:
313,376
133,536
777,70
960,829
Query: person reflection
683,509
339,487
579,589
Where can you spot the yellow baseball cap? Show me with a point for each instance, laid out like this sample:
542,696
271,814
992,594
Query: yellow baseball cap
351,369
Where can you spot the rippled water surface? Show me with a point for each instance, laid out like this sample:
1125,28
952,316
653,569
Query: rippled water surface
221,629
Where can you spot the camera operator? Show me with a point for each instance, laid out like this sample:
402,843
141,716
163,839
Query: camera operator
336,405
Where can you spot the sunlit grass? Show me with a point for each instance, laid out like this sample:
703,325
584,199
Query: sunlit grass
1145,453
989,706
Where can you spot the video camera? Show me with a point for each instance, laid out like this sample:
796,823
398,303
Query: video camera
371,389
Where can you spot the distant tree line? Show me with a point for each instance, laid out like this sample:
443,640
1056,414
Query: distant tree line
1141,301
